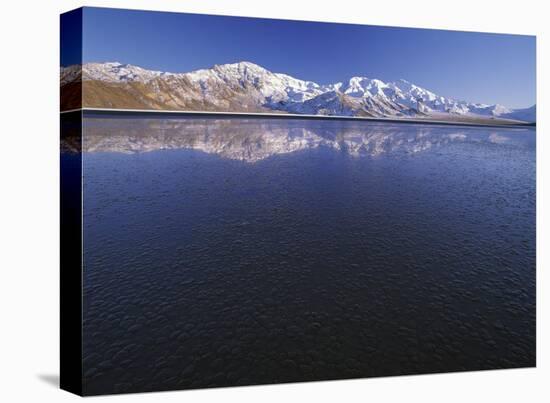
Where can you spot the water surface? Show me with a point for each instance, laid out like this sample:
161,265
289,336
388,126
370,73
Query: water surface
232,251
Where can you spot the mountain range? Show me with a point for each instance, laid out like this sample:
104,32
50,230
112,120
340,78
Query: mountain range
249,88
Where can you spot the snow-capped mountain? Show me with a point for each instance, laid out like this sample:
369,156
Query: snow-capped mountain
111,72
247,87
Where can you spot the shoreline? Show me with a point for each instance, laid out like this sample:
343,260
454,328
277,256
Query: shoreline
266,115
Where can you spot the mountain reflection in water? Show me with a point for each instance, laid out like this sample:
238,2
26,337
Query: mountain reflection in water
252,140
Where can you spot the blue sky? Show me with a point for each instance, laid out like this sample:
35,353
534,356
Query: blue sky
478,67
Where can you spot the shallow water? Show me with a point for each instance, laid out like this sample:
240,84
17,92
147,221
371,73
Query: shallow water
231,251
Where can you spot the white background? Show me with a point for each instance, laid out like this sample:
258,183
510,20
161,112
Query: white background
29,258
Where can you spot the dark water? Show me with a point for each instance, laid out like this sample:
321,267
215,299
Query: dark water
233,252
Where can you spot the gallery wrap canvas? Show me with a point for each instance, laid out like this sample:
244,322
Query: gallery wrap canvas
253,201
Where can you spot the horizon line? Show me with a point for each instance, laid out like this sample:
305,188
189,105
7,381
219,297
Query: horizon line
176,112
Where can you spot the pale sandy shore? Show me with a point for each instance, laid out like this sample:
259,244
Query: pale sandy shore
440,120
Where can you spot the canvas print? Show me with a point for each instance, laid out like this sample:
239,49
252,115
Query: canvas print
253,201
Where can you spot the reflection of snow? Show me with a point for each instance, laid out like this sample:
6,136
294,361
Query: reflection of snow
253,140
497,138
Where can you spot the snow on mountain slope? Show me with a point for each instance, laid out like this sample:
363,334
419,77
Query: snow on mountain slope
274,87
118,72
246,87
364,87
70,74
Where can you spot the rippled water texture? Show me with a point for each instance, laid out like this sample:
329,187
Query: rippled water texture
231,252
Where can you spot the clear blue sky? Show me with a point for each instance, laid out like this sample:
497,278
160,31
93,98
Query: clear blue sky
478,67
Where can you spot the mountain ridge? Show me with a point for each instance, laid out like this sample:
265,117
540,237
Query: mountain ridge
247,87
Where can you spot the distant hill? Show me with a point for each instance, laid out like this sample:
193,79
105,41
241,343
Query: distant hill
247,87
